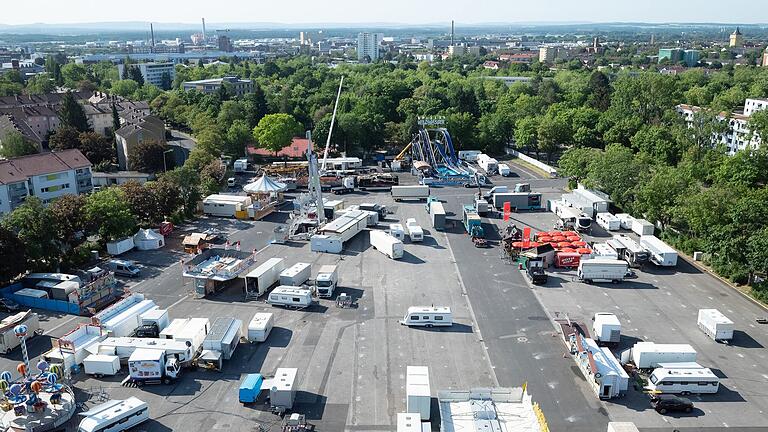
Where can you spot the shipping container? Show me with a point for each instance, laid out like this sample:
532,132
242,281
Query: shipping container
101,365
437,213
400,193
606,328
642,227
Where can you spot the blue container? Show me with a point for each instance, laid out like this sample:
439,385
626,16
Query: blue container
250,388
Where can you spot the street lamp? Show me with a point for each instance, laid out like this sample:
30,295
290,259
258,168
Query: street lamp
165,168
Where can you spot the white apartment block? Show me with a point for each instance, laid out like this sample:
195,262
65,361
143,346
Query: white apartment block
368,45
153,72
738,136
46,175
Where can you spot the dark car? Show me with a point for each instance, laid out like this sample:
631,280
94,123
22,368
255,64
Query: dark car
9,305
668,403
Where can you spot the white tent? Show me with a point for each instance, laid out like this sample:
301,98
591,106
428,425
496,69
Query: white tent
147,239
264,185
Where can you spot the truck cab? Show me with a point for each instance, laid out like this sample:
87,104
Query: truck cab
172,368
326,280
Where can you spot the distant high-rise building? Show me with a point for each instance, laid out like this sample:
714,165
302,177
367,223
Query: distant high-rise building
547,54
225,43
737,39
368,46
765,58
153,72
674,55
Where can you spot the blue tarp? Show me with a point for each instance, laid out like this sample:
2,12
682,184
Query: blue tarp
47,304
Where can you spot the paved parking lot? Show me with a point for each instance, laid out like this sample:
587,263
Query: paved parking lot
352,361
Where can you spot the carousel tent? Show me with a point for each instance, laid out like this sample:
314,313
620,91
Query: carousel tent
264,185
147,239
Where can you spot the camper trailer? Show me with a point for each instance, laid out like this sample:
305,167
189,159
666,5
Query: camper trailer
290,297
260,326
260,279
427,316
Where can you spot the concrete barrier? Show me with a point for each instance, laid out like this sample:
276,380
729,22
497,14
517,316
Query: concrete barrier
525,158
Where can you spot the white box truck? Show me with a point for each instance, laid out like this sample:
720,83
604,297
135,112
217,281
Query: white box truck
661,253
608,221
642,227
417,390
606,328
437,213
648,355
327,279
150,366
386,244
100,365
715,324
296,274
419,192
290,297
504,170
260,326
602,270
260,279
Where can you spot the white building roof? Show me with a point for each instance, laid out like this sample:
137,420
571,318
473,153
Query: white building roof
488,410
345,221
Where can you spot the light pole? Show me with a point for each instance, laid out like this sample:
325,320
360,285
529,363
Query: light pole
165,168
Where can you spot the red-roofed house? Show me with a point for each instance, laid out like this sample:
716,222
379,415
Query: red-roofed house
296,150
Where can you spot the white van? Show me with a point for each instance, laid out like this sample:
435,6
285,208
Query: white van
428,316
290,297
683,381
123,268
504,170
231,182
114,416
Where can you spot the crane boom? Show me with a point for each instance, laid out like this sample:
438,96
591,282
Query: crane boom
330,129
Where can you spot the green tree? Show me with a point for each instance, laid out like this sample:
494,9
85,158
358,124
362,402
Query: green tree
526,133
552,131
599,90
33,225
72,114
65,137
147,156
40,84
96,148
462,127
68,216
73,73
125,88
275,131
165,81
142,202
14,144
616,172
167,196
657,197
659,142
758,124
575,161
255,106
187,180
108,210
135,75
238,136
14,255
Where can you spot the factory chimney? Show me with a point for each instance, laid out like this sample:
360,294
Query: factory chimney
203,28
152,32
451,32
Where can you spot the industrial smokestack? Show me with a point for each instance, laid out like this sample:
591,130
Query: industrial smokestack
152,32
451,32
203,28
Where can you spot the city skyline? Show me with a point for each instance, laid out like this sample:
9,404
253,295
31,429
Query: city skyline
393,12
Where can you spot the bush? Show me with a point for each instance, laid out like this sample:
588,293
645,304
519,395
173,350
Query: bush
79,256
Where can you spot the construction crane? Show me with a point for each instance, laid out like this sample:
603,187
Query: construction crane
330,129
313,185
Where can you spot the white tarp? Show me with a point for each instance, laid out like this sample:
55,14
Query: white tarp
264,185
147,239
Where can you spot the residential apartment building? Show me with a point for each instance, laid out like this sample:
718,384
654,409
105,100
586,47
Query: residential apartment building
368,46
522,58
135,131
45,175
738,136
35,116
238,86
153,72
460,50
676,55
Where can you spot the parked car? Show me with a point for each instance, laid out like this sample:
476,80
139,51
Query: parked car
231,182
665,403
8,305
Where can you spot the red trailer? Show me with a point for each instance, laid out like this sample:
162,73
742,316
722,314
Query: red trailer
567,259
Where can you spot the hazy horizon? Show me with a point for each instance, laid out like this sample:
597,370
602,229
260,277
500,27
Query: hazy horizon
394,12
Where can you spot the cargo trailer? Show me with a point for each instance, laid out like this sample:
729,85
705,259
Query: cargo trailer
260,326
224,336
606,328
127,320
642,227
326,243
715,324
419,192
567,259
602,270
648,355
660,253
282,391
100,365
417,391
437,213
386,244
296,274
8,338
250,387
261,279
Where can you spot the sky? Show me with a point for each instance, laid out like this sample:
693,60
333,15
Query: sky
387,11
